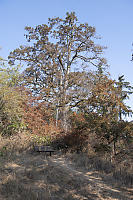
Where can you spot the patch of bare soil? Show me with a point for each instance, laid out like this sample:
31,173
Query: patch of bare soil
32,176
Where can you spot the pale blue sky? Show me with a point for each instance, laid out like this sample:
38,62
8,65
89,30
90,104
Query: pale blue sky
113,20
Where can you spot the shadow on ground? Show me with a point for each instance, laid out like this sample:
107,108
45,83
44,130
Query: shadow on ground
32,176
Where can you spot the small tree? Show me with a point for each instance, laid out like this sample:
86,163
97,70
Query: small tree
38,118
124,89
11,100
102,112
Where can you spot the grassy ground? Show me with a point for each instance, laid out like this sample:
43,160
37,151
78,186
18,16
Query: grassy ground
26,175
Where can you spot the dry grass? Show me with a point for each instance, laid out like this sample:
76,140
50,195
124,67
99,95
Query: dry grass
15,143
26,175
122,172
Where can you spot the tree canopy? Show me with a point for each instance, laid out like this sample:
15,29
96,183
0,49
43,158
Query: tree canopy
57,59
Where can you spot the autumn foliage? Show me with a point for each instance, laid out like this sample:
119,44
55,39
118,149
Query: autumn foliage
38,117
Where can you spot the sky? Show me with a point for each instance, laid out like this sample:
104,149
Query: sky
111,18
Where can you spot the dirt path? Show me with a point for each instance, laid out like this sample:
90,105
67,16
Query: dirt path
36,177
91,184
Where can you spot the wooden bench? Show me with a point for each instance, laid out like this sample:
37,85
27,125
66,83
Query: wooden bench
43,149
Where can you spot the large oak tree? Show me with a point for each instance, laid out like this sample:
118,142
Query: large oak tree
57,56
